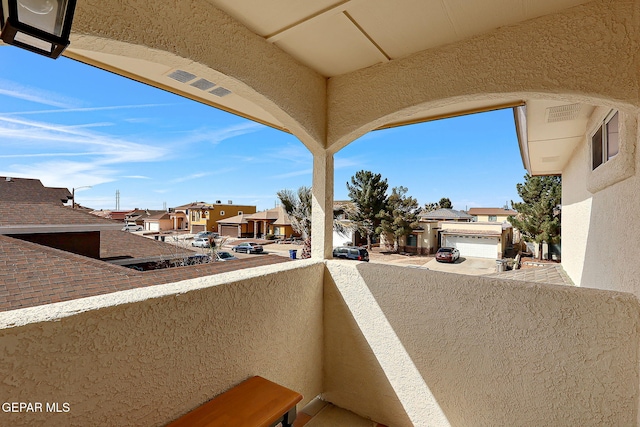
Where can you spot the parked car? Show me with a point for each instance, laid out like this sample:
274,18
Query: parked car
132,227
201,242
447,254
351,252
248,247
225,256
206,234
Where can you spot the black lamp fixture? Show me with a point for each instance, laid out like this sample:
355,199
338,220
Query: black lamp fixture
41,26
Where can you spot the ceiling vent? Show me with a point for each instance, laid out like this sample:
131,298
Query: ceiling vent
182,76
220,91
563,113
203,84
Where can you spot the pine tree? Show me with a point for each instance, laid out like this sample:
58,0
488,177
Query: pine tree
538,217
400,216
368,192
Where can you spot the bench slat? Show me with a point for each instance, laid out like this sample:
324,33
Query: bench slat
257,402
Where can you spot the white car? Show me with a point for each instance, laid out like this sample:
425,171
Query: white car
132,227
201,242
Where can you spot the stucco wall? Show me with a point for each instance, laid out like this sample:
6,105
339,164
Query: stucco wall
412,347
589,51
145,357
600,229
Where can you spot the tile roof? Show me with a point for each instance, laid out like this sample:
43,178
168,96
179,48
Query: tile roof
238,219
32,274
491,211
444,214
31,190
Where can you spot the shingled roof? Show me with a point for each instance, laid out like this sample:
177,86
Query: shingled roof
31,190
36,275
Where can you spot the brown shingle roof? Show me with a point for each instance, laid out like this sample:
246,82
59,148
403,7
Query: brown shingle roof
32,213
32,275
31,190
120,244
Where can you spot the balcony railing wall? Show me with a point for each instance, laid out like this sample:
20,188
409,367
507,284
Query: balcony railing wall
147,356
398,345
412,347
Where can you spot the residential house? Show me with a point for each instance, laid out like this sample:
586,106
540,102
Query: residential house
236,226
137,216
426,239
205,216
491,214
162,221
477,239
401,346
274,222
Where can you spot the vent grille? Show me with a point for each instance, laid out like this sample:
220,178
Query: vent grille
220,91
182,76
563,113
203,84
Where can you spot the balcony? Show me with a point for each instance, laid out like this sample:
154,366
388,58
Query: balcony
401,346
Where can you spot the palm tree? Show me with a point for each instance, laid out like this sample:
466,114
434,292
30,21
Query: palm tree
298,206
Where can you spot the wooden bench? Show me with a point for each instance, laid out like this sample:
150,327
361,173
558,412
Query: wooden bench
256,402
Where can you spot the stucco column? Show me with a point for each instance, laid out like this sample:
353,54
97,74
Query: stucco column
322,207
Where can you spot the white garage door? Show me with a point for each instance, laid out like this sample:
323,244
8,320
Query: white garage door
474,246
154,226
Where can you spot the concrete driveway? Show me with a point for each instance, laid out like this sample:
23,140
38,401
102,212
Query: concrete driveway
468,265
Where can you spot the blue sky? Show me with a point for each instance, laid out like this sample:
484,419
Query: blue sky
71,125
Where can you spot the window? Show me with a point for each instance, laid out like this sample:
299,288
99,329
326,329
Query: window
221,213
605,141
493,218
412,240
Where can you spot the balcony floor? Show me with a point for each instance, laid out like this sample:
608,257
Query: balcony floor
322,414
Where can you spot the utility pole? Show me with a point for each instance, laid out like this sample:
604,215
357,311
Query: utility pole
117,200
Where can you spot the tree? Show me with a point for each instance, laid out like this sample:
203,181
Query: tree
368,192
298,206
444,203
400,216
538,217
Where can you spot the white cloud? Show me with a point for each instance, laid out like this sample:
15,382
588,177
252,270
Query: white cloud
15,90
99,152
293,174
86,110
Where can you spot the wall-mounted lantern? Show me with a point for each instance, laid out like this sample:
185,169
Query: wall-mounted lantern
41,26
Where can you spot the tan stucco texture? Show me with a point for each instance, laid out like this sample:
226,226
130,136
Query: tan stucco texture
148,361
406,347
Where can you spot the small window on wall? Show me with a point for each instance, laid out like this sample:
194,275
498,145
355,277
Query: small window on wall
493,218
605,141
412,240
221,213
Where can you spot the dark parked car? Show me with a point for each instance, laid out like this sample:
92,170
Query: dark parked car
447,255
248,247
224,256
351,252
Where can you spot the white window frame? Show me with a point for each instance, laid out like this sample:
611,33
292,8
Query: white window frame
618,167
602,141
